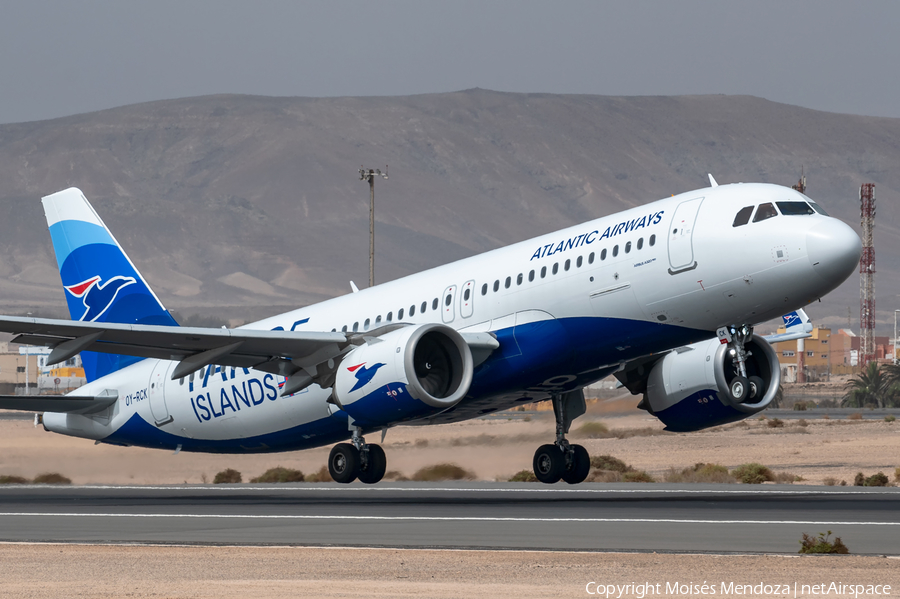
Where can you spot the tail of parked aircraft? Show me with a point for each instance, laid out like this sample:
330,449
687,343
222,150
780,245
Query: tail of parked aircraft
100,281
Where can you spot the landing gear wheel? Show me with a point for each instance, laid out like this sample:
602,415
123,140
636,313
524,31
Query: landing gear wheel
757,387
343,463
581,465
739,389
549,464
376,466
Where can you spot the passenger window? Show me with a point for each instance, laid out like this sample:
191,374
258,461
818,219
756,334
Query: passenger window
640,243
543,271
355,326
794,208
344,329
378,319
390,316
484,289
743,216
423,307
366,325
578,262
591,257
531,276
519,279
466,294
765,211
181,381
555,267
627,247
496,286
434,304
508,282
567,264
652,240
615,250
400,314
412,311
448,299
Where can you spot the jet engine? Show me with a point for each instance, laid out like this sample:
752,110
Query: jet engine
410,373
688,389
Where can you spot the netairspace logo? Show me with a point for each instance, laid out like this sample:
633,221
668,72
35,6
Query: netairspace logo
732,589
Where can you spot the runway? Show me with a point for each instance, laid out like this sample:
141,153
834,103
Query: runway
590,517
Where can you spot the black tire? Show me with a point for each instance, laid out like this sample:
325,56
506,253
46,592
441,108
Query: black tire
757,387
549,464
376,467
343,463
581,465
739,389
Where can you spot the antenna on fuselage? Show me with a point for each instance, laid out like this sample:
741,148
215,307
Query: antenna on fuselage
712,180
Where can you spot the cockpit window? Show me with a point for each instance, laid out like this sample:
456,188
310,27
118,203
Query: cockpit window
743,216
794,208
818,209
765,211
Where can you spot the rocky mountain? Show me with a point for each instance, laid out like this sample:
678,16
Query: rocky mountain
241,206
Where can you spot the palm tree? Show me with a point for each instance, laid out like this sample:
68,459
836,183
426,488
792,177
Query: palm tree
867,388
891,373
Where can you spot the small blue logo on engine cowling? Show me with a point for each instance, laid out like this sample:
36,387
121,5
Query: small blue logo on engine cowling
363,374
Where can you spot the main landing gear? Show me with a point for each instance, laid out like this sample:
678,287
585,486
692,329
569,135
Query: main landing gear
741,388
358,459
561,460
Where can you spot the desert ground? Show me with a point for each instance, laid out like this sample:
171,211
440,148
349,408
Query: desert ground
815,449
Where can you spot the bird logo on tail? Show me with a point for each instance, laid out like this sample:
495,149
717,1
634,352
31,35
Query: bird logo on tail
97,297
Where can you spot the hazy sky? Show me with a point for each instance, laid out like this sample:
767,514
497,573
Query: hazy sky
60,58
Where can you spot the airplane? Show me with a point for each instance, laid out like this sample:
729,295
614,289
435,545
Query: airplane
664,296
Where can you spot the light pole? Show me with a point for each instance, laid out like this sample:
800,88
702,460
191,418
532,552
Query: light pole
369,175
894,342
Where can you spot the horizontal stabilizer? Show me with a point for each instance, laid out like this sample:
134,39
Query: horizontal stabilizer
69,404
797,325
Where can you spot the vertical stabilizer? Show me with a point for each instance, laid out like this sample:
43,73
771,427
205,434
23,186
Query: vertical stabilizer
101,283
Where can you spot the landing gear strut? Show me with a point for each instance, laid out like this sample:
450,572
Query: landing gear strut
358,459
561,460
741,388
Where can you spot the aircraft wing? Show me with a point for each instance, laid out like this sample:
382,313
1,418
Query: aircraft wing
71,404
278,352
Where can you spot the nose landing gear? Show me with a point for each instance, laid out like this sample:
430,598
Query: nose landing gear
741,388
561,460
358,459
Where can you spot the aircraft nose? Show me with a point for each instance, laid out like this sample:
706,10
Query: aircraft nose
834,250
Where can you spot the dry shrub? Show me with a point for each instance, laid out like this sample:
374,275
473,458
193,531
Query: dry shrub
442,472
890,418
603,476
322,476
637,476
51,478
608,462
822,544
897,474
855,416
802,422
876,480
788,478
227,476
775,423
830,482
395,475
826,417
593,430
700,473
279,474
421,443
18,480
752,474
523,476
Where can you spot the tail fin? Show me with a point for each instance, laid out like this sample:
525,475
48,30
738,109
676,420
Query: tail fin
100,281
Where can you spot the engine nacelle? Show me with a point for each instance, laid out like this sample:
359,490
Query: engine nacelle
688,388
410,373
